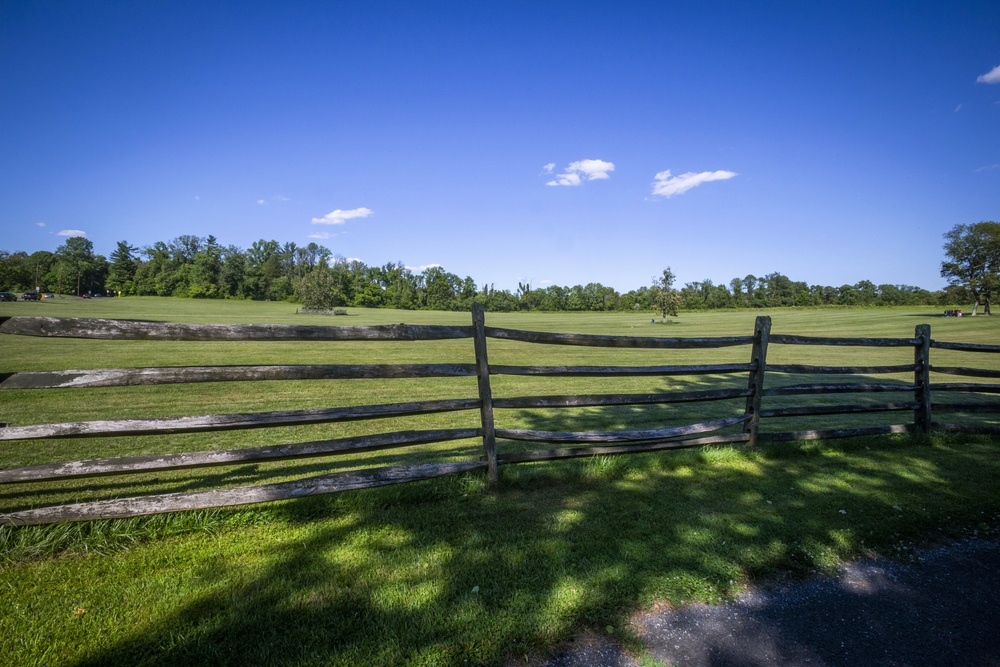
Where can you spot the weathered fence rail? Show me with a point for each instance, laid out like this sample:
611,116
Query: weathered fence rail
744,428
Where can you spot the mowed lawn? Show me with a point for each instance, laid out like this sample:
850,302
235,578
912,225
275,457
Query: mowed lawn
448,572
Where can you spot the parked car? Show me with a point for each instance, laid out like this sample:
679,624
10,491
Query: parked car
31,296
7,296
48,296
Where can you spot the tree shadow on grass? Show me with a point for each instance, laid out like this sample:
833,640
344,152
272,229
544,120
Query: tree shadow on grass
445,573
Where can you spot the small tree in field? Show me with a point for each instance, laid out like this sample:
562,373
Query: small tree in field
973,253
665,299
320,291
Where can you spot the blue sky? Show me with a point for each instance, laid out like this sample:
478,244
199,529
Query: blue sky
553,142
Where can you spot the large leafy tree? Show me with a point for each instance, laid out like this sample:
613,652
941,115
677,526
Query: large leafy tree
77,261
973,253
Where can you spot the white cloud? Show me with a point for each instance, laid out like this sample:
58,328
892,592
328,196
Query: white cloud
993,76
321,235
39,224
566,179
665,185
576,172
279,198
424,267
261,202
988,167
594,169
70,232
339,217
549,168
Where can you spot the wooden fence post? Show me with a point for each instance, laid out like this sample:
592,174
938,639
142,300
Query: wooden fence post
758,357
485,393
922,378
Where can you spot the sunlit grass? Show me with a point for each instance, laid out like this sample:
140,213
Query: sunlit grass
446,572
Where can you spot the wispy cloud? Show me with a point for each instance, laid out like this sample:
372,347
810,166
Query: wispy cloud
321,235
339,217
958,108
665,185
577,172
70,232
549,168
987,167
277,198
39,224
993,76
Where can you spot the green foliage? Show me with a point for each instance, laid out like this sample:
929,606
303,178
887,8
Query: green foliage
665,299
85,271
973,253
21,272
320,291
195,267
123,267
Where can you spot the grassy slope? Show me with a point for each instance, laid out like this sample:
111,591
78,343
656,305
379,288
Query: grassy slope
443,571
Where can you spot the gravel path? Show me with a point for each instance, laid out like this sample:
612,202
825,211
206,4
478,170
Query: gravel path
942,608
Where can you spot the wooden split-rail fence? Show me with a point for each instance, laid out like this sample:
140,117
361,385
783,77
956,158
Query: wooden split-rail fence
744,428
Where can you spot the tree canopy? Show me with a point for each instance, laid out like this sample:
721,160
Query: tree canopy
973,262
196,267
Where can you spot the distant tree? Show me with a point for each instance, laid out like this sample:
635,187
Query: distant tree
736,285
263,270
232,275
205,270
17,272
76,259
867,292
468,293
124,264
40,262
663,296
973,253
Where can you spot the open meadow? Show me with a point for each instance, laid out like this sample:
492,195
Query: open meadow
448,571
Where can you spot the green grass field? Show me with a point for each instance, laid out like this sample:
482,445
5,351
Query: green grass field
446,572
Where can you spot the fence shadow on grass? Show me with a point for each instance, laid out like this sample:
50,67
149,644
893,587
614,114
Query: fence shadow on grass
396,576
96,488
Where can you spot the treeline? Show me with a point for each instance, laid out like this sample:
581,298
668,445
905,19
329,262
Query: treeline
196,267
